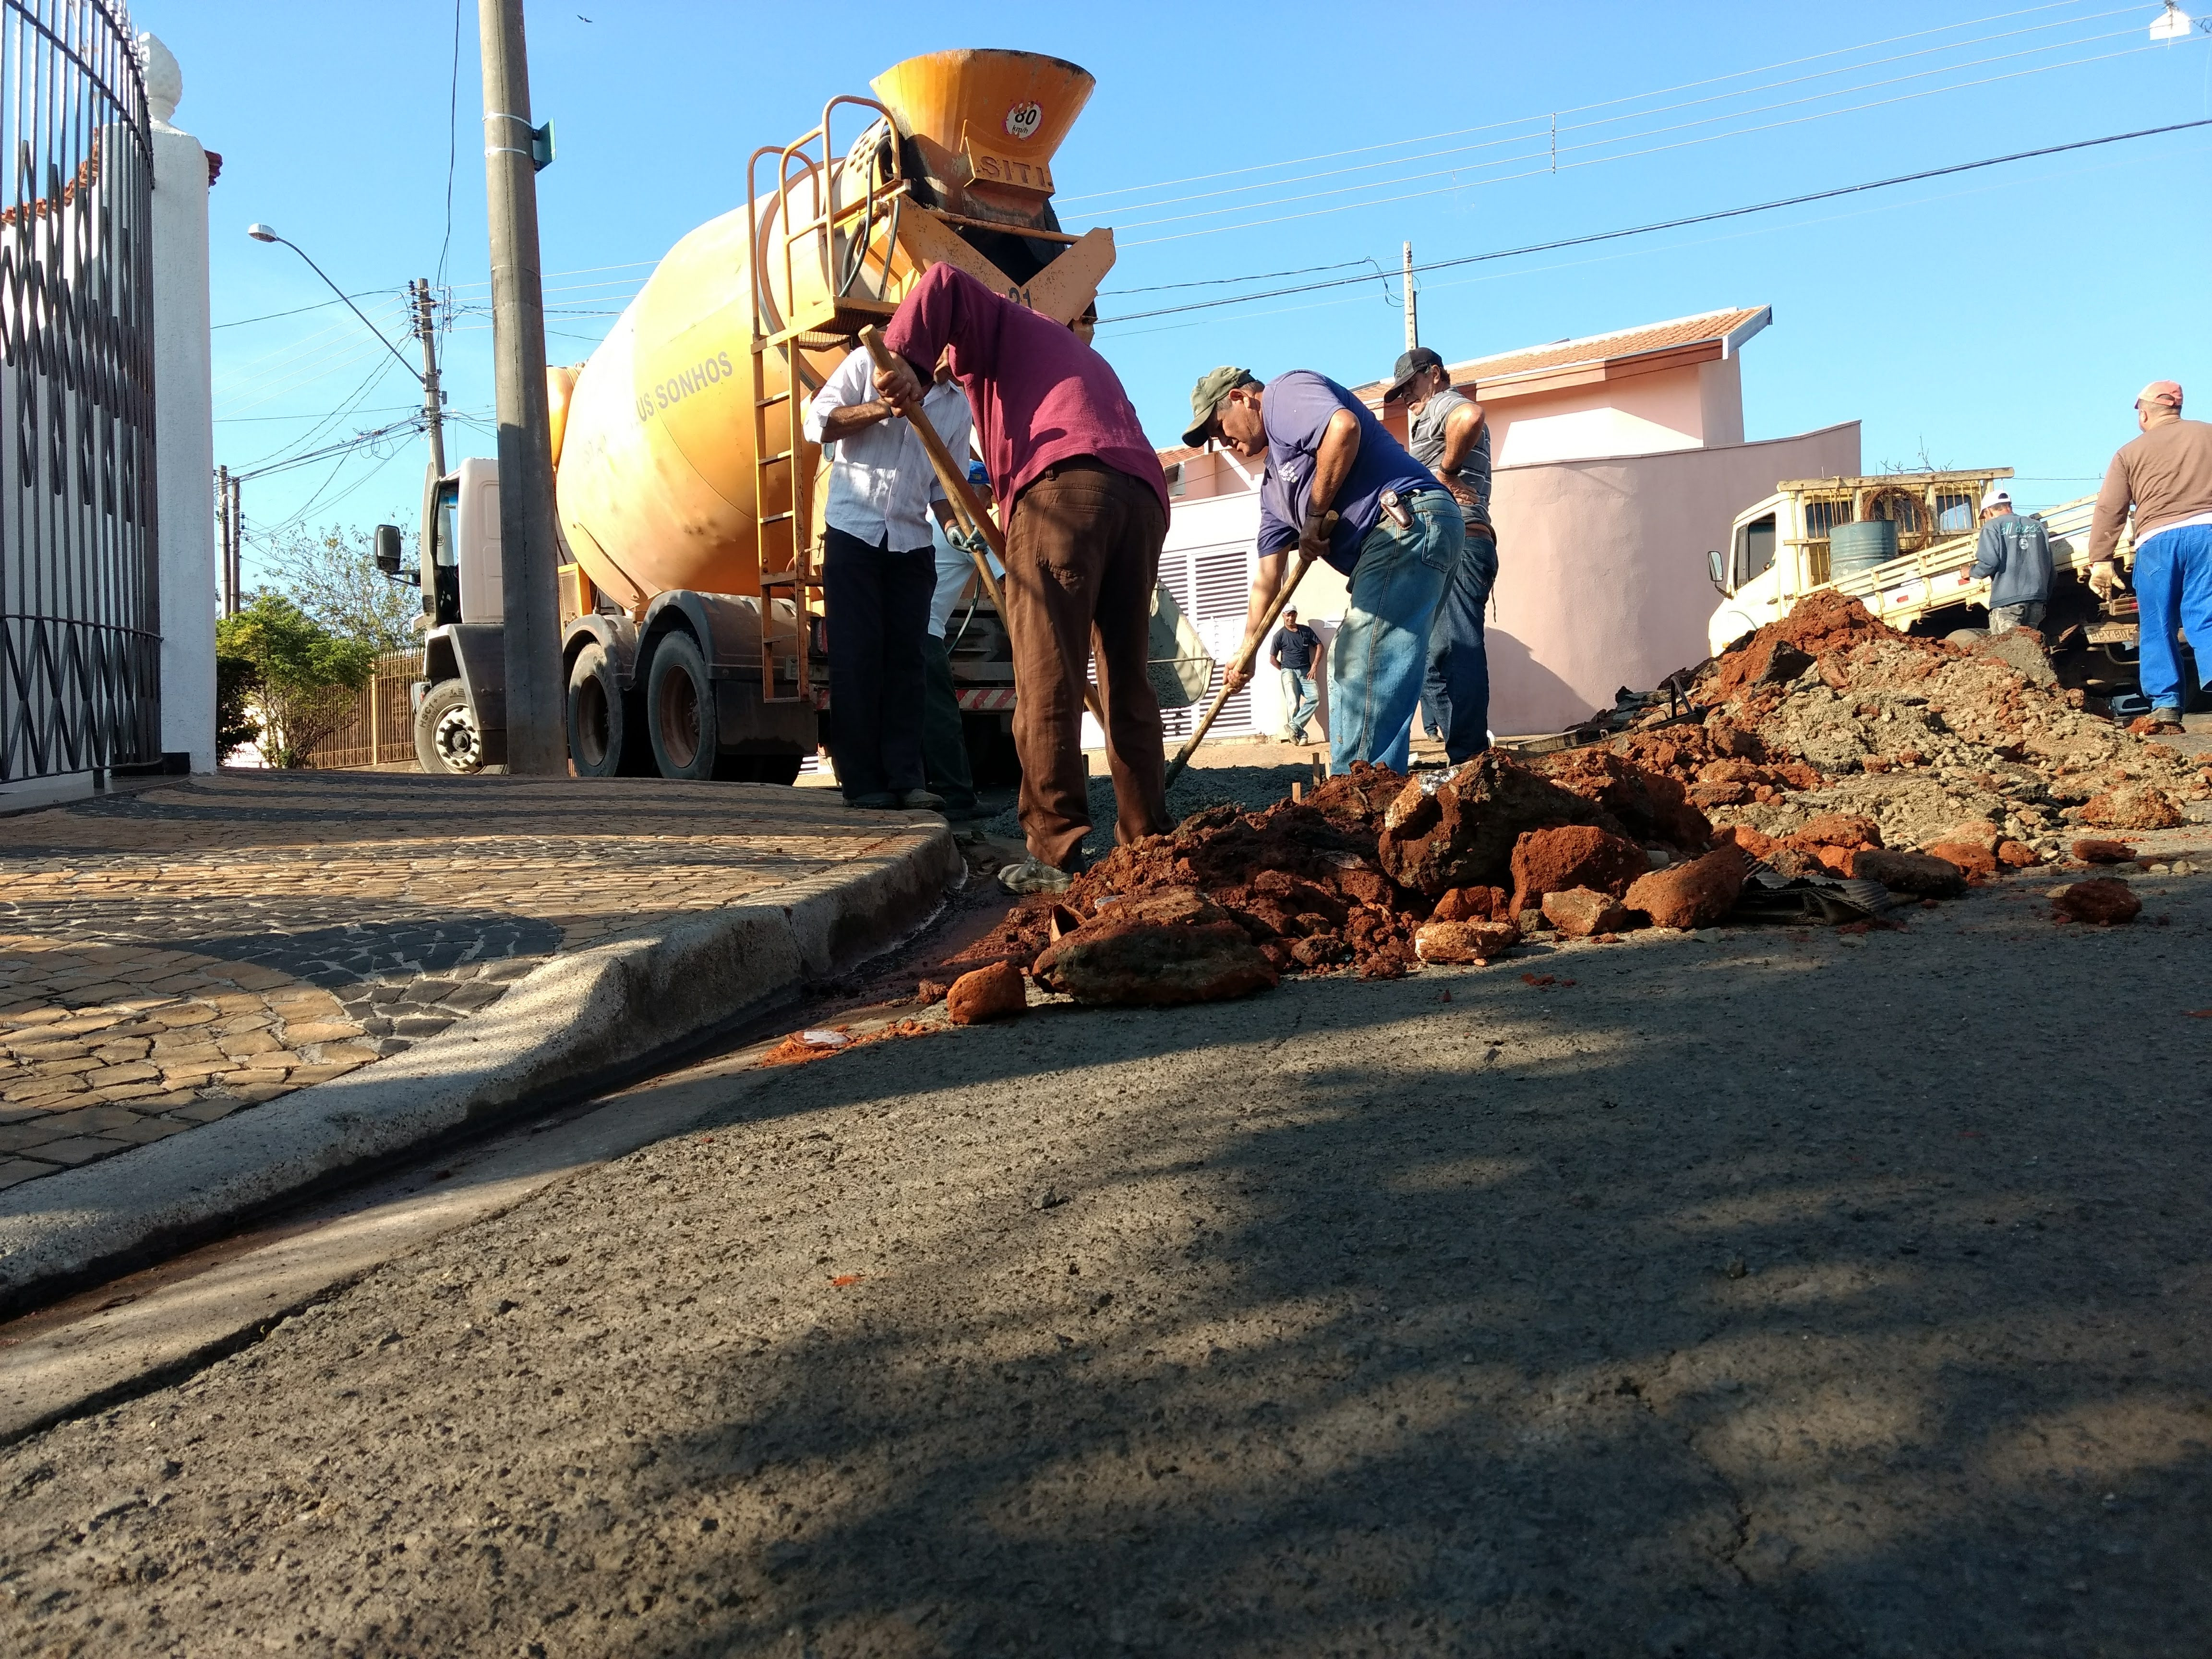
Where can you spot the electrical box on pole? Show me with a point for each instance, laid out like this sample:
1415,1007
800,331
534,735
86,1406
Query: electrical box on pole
536,702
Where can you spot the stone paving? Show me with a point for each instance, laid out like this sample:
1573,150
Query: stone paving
172,955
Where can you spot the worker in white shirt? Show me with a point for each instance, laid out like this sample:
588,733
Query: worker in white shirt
878,572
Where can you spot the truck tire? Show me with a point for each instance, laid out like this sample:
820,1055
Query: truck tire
679,710
447,741
606,738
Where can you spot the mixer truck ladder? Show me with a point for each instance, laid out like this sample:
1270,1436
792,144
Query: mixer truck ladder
788,330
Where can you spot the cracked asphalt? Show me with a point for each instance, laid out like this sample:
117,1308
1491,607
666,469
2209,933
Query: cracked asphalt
1764,1293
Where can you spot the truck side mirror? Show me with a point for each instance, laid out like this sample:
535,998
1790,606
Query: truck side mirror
1716,567
387,549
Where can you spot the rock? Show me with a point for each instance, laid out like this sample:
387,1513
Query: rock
2020,648
2104,852
1464,941
1917,874
1643,804
931,991
1457,829
1581,912
1974,832
1694,895
1837,829
2132,806
1471,904
1163,948
1754,843
1764,661
993,993
1577,855
1973,860
2017,855
2100,900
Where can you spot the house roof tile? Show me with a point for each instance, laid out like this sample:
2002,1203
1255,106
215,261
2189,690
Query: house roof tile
1596,349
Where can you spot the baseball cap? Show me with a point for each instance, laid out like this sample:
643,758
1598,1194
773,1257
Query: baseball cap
1205,397
1410,363
979,474
1996,496
2166,393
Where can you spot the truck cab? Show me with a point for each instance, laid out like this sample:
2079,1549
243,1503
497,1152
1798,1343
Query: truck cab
676,692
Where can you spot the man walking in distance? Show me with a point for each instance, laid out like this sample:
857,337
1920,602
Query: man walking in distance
877,573
1448,433
2165,477
2014,556
944,744
1295,648
1087,512
1396,536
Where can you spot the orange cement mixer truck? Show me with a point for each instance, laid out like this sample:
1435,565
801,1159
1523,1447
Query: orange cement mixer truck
690,592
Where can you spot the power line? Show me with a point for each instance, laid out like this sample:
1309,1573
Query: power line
1676,224
1687,86
320,305
1548,163
452,142
1256,277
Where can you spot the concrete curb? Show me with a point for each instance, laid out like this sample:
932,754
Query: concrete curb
580,1019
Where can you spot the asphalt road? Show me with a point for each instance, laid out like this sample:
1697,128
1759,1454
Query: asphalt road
1758,1294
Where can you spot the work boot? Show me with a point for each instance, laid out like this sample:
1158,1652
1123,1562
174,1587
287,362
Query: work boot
1033,876
920,801
2159,723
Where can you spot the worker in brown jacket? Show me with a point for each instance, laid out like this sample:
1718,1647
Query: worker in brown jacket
2165,477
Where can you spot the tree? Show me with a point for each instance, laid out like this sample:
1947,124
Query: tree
307,679
332,576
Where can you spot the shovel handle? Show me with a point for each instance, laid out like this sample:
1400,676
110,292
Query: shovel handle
1245,654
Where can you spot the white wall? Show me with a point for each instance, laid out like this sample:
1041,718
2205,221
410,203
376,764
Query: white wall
184,423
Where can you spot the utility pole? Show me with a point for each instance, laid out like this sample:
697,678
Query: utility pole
537,715
433,412
1412,331
226,538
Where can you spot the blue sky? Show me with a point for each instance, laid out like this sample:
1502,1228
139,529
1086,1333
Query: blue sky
2005,317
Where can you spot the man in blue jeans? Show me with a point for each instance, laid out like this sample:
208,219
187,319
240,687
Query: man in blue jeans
2165,477
1396,539
1448,433
1292,654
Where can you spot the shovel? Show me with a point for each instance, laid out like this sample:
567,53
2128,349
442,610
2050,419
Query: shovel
1243,660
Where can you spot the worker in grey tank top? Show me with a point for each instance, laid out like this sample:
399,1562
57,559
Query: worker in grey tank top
1447,433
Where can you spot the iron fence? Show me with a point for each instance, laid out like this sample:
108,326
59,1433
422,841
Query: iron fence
80,642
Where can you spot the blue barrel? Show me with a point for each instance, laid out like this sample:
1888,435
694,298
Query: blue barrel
1853,548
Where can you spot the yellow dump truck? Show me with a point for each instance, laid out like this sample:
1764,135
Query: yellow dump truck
685,485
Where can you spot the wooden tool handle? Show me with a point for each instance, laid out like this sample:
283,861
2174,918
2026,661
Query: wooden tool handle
1245,652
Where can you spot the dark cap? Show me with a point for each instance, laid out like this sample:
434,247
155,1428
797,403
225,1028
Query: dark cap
1205,397
1410,363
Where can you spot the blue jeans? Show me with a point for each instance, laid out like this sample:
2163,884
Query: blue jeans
1382,648
2173,586
1455,698
1300,698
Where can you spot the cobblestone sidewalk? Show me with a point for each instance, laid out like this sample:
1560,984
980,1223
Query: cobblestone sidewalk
172,957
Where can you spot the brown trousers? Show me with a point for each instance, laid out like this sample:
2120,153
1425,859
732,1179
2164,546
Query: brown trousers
1083,555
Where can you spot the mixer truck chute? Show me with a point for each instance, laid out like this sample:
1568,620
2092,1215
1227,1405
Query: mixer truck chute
685,485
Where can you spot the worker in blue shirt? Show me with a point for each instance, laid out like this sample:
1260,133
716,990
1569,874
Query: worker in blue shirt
1292,654
1396,538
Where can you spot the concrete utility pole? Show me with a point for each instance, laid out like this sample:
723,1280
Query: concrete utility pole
537,715
226,538
1412,333
433,412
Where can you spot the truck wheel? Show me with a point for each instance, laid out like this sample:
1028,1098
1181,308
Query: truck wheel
446,740
679,703
603,741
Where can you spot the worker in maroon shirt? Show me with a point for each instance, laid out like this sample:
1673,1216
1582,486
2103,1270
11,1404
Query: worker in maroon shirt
1089,511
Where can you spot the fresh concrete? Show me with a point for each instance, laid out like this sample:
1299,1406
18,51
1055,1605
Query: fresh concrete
1763,1293
583,1016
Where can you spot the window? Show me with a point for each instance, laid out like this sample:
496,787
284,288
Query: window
1754,549
1175,483
446,529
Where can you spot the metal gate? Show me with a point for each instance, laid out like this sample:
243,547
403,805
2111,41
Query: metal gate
80,640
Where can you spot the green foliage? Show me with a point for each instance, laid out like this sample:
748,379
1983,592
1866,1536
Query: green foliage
235,681
306,678
332,576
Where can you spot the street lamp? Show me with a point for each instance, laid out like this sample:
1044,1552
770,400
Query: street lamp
426,377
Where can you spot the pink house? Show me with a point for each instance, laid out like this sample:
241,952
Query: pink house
1620,459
